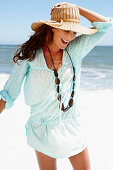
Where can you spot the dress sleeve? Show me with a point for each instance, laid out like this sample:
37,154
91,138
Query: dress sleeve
83,44
13,85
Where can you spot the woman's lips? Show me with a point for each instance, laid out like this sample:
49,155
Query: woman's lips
63,41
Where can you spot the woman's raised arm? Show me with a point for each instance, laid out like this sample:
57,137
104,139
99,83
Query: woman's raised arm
88,14
91,15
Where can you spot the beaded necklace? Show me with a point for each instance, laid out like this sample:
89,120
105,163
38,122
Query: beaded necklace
57,81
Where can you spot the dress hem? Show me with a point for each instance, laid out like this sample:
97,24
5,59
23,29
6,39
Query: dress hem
72,154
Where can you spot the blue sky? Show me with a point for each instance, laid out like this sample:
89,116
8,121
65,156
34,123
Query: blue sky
16,17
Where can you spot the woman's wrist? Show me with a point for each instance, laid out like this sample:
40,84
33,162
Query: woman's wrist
2,105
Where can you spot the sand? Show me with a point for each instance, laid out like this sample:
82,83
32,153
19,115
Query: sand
96,109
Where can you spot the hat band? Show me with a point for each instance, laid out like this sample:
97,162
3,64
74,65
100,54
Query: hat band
67,20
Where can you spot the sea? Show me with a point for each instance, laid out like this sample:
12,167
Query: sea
96,71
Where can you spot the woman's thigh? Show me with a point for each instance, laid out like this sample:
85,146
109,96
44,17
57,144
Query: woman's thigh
81,161
45,162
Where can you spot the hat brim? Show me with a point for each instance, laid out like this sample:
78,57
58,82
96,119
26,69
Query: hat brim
72,26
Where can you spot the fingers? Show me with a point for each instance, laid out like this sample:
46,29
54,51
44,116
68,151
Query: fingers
58,4
62,3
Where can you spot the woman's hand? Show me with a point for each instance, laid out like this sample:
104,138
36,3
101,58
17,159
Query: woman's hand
59,4
2,105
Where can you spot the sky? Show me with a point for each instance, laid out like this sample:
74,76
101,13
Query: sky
16,17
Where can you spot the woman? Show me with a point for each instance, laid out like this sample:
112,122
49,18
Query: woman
51,62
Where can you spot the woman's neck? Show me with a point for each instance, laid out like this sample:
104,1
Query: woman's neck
53,48
55,54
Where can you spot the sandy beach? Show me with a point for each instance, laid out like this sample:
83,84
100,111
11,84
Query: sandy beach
96,109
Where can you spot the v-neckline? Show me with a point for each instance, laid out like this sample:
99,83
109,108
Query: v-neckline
46,63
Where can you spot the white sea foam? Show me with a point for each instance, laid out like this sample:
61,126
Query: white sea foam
94,73
96,78
4,76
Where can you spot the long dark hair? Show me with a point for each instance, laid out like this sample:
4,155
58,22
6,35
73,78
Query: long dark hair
28,49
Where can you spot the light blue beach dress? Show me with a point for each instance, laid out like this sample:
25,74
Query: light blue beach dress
49,130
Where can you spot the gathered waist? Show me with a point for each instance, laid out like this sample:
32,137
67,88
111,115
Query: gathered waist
44,123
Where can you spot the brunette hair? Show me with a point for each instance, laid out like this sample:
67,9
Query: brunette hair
28,49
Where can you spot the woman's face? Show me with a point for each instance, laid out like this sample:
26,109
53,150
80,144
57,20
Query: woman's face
61,38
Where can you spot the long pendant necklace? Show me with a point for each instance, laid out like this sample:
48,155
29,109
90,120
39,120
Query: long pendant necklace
57,81
56,64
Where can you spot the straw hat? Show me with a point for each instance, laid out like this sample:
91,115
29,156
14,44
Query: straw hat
65,16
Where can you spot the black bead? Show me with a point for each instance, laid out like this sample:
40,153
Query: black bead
74,77
72,94
55,73
57,81
74,69
58,88
62,108
59,97
73,85
71,102
65,109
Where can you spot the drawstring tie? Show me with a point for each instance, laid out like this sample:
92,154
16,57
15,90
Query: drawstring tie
44,123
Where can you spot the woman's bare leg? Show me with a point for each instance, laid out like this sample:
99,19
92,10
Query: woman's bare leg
45,162
81,161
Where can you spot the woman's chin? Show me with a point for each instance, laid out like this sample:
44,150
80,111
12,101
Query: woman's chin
63,46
